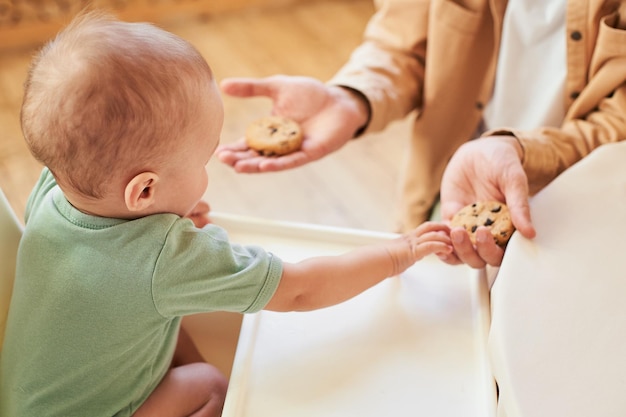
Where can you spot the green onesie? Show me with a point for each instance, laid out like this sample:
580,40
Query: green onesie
97,304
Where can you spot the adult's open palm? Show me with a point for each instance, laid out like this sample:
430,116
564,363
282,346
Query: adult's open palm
328,115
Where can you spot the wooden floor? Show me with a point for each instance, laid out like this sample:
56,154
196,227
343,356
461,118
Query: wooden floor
355,187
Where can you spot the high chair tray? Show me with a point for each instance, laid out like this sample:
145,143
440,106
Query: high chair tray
414,345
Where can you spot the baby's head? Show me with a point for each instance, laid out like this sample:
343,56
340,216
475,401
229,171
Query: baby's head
110,105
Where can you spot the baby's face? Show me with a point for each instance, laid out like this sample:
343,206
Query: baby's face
187,180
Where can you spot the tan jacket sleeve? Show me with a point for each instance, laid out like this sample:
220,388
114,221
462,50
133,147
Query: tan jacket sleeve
596,117
388,67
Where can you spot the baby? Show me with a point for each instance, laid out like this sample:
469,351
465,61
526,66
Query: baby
125,117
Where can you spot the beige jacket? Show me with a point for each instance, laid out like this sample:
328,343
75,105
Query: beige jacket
438,57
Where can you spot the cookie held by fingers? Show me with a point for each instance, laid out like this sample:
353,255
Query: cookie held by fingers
274,135
491,214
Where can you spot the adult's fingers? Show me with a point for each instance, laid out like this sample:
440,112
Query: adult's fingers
487,248
464,248
233,156
251,162
520,216
247,87
486,251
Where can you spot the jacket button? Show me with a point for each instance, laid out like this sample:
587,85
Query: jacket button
576,35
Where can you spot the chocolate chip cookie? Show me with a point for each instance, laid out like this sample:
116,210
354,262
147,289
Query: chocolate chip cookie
491,214
274,135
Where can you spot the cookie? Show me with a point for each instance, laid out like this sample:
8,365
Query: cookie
492,214
274,135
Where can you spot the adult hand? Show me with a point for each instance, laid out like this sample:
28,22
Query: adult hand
488,168
329,116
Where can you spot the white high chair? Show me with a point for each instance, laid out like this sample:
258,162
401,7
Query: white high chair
10,234
558,326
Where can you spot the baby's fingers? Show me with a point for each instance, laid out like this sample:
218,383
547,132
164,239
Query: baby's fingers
431,227
449,258
431,246
435,236
200,214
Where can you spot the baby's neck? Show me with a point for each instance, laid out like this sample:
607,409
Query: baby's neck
101,207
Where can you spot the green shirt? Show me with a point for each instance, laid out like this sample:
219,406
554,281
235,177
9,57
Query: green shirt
97,304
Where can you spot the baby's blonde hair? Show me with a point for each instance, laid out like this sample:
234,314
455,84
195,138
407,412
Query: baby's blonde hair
107,98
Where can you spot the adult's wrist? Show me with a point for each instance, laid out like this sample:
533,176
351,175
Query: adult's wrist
509,137
515,143
359,106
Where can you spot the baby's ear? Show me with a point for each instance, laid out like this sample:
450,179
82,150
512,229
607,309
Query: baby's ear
140,191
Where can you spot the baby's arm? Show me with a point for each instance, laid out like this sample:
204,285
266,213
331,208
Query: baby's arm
327,280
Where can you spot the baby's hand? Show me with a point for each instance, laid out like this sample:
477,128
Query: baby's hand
426,239
200,214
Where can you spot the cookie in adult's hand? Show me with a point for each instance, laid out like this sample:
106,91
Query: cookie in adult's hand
491,214
274,135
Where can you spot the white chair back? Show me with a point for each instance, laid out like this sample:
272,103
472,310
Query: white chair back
558,326
10,234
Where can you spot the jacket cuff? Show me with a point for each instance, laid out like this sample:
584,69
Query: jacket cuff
537,160
508,132
363,88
